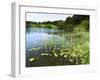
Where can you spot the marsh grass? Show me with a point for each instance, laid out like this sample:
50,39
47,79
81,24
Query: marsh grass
63,49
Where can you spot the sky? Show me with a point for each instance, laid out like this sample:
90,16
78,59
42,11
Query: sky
41,17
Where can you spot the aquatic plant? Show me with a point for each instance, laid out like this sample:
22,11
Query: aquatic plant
69,49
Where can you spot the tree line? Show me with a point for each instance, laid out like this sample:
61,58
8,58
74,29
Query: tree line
75,23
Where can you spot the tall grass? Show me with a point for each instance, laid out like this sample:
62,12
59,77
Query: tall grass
63,49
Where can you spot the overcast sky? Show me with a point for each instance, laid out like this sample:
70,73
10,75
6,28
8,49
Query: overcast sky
41,17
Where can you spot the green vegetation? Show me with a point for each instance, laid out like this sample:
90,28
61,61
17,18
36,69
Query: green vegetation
70,47
73,52
74,23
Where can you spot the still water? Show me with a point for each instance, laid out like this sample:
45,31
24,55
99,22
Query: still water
36,36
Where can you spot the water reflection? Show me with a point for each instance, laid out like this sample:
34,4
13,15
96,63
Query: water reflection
35,37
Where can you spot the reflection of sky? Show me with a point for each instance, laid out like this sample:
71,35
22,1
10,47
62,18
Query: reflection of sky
34,39
40,17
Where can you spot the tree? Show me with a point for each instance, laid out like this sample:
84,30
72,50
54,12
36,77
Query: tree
68,26
78,18
60,24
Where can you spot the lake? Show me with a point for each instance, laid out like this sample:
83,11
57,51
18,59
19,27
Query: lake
37,38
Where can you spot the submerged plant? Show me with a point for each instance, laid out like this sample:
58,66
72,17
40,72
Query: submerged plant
34,49
31,59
